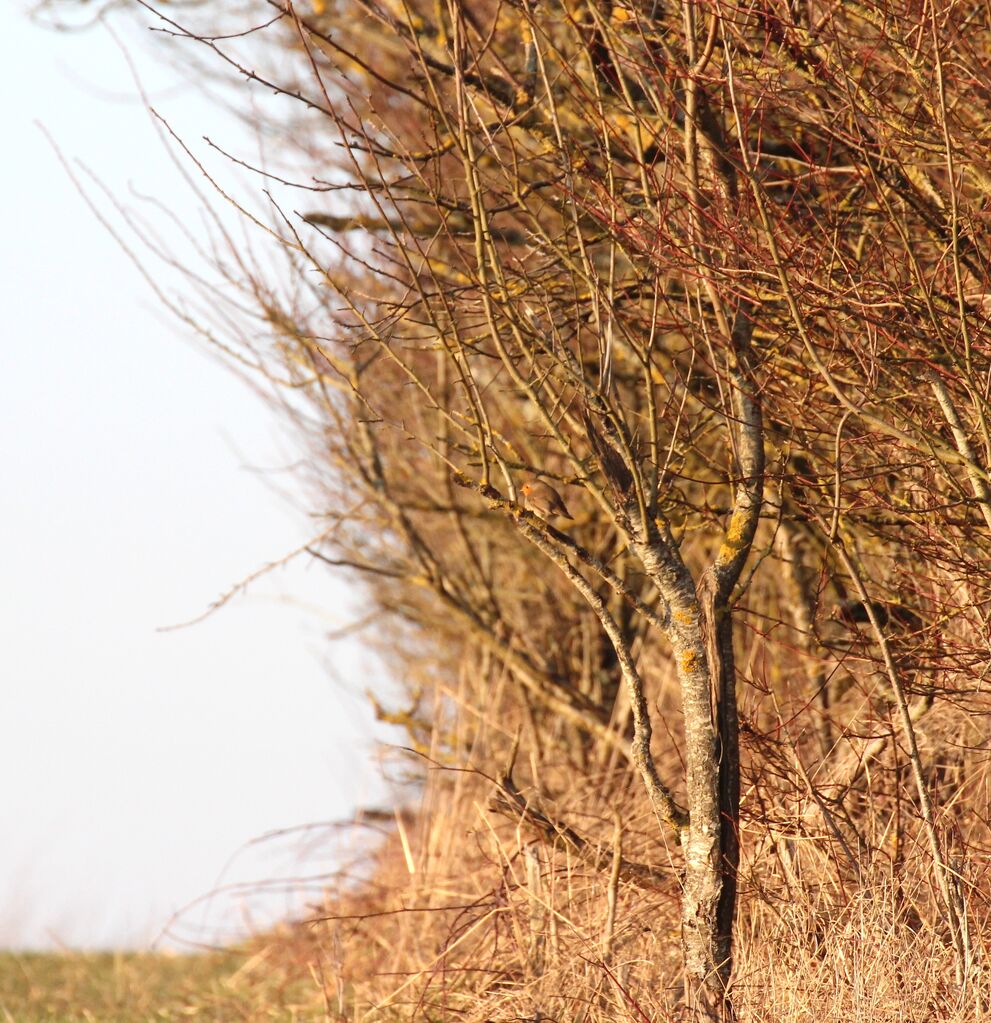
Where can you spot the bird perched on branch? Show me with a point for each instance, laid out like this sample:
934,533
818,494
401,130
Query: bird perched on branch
854,612
542,498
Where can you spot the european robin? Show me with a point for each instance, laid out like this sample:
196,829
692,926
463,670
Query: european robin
543,499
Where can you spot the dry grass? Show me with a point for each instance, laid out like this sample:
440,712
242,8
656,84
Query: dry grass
865,961
472,917
465,913
486,926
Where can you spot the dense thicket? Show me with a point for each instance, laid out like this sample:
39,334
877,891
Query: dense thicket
719,274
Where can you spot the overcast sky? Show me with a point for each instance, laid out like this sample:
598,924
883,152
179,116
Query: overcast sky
137,486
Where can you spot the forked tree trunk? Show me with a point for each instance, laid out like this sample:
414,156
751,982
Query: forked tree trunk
700,631
712,849
713,999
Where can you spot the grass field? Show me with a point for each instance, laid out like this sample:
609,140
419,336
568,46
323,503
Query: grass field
134,987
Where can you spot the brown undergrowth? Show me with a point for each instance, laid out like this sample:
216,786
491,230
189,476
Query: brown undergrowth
476,912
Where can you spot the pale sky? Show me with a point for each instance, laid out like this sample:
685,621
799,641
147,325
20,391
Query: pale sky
136,488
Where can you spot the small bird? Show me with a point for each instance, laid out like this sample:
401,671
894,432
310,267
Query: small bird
543,499
854,612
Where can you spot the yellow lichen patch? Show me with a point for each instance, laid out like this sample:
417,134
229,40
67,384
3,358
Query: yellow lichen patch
726,552
734,540
684,617
734,534
688,661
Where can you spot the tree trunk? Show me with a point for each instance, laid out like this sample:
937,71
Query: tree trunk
700,641
716,879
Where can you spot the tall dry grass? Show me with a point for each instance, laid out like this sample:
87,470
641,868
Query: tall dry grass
475,913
